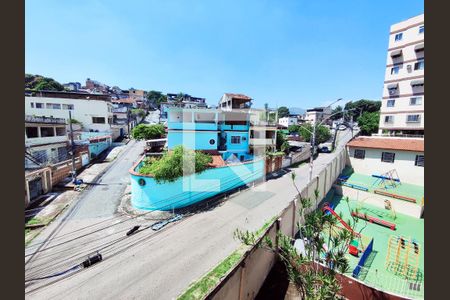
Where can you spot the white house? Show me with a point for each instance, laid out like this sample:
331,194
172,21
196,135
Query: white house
288,121
317,114
378,155
46,141
95,112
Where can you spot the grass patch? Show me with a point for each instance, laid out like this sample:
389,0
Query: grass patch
35,221
200,288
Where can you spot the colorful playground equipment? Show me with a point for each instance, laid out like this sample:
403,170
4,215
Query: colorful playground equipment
374,220
400,197
389,179
403,257
326,208
387,205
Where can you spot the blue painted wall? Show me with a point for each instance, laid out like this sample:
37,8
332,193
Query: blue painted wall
192,189
242,146
199,140
191,126
96,148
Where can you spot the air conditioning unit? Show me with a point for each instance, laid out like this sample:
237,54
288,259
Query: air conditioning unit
392,91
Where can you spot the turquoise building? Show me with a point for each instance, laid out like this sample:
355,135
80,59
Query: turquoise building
219,132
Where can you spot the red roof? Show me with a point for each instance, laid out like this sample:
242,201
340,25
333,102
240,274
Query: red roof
404,144
238,96
217,161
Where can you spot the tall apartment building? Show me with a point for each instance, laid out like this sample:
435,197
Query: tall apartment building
402,108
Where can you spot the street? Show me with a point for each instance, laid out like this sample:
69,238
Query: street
148,264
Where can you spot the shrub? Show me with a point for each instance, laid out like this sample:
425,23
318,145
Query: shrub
147,132
175,164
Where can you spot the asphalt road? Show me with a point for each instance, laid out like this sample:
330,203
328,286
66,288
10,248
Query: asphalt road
148,265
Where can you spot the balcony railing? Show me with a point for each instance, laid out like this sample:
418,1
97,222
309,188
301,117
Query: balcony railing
45,140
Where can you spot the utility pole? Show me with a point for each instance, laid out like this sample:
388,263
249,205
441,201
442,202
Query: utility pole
74,170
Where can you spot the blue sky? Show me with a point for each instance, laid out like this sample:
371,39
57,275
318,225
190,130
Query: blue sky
293,53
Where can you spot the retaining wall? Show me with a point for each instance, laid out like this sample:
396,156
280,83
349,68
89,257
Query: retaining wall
245,280
148,194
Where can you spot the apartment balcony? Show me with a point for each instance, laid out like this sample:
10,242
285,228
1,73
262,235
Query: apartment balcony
30,142
262,141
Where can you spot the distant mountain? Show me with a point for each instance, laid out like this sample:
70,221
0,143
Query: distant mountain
296,110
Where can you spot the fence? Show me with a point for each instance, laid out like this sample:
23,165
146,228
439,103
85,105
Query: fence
245,280
394,284
363,259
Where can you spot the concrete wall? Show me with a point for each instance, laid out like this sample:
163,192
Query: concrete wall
187,190
245,280
403,163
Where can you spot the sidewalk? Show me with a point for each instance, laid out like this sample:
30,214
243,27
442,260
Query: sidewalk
65,199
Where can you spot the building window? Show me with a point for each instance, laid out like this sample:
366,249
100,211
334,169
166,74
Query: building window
212,141
67,106
393,90
399,36
47,131
32,132
98,120
235,139
413,118
53,106
359,153
60,131
388,157
420,161
419,65
39,105
32,104
415,101
391,103
388,119
421,29
395,70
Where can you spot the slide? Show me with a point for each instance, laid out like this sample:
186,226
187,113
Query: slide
326,207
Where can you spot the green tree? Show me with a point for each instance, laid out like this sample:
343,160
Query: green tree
138,112
336,111
281,142
361,106
310,281
176,163
156,98
368,122
147,132
41,83
283,111
294,128
323,134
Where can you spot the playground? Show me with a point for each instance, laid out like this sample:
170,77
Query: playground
384,185
394,260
